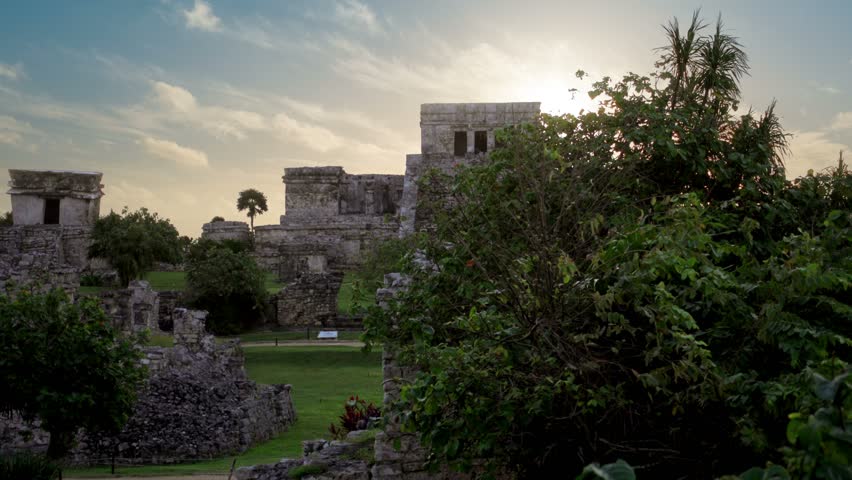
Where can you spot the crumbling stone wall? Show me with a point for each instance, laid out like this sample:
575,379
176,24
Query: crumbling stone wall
310,300
219,231
48,255
133,309
169,301
196,404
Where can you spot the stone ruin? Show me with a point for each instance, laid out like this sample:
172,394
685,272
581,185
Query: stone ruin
219,231
333,218
133,309
53,213
197,403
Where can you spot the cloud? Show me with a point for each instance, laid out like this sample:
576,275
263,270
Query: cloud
177,153
842,121
828,89
354,14
12,72
314,137
12,132
175,97
201,17
812,150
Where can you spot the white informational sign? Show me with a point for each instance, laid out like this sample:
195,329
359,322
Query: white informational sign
327,335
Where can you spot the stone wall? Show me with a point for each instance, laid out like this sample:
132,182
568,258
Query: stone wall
196,404
133,309
50,255
218,231
310,300
169,301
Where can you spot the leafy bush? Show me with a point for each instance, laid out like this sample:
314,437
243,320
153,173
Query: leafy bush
27,466
63,363
383,257
217,218
133,242
640,282
357,414
229,285
6,220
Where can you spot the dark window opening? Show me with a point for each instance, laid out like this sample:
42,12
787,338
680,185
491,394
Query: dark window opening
461,144
480,142
51,211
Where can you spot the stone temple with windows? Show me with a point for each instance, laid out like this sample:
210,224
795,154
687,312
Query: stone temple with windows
333,218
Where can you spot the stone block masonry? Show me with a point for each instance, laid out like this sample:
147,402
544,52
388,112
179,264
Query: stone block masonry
196,404
44,255
219,231
310,300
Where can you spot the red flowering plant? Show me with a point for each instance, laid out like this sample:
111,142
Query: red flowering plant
357,414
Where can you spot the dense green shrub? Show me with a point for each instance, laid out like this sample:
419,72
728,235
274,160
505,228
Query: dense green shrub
640,282
63,363
133,242
228,284
27,466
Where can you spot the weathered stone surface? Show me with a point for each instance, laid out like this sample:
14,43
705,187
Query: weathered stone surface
133,309
337,460
197,403
310,300
218,231
44,255
76,197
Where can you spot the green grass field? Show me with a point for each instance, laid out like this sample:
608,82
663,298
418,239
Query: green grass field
322,378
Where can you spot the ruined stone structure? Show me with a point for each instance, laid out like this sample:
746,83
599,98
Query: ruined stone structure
52,213
450,134
197,404
332,218
133,309
55,197
219,231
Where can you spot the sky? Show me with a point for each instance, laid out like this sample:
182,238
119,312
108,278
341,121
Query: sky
184,103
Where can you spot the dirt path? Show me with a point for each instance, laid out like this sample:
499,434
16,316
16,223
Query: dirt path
306,343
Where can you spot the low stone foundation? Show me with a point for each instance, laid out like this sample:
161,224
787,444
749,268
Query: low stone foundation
219,231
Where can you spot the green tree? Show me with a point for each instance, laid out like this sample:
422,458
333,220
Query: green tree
217,218
6,220
133,242
226,281
63,363
254,202
629,283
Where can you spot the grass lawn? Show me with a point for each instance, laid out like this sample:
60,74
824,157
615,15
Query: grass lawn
345,302
322,378
290,335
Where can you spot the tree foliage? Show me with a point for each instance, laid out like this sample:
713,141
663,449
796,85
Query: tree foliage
133,242
254,202
225,280
640,282
64,364
6,220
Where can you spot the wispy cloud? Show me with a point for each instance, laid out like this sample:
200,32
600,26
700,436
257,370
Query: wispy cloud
12,72
356,15
828,89
201,17
312,136
172,151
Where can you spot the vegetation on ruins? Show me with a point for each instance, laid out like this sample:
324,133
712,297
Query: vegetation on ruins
359,288
639,282
217,218
254,202
224,279
64,364
6,220
357,414
133,242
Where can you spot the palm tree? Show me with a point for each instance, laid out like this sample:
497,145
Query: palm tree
254,201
